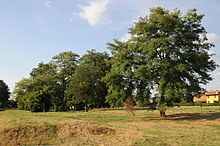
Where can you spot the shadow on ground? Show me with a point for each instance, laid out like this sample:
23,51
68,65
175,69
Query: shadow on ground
193,116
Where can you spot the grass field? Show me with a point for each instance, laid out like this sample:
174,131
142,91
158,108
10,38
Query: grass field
182,126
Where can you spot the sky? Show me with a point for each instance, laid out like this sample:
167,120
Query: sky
32,31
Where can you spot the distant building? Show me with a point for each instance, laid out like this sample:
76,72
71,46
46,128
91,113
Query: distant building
208,97
200,99
213,96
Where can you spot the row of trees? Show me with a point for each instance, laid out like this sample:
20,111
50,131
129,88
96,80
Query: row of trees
167,55
65,82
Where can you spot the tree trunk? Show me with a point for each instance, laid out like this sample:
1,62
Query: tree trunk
86,107
43,107
162,114
162,106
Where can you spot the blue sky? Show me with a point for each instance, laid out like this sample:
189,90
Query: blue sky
32,31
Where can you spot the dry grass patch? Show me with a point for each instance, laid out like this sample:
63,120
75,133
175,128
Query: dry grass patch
26,135
78,133
82,133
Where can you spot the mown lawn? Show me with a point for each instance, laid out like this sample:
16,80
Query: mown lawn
182,126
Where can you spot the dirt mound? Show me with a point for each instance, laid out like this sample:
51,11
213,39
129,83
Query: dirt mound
81,128
68,134
27,134
101,130
79,132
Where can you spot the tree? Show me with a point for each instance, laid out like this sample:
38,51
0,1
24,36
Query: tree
99,61
21,93
125,79
4,94
167,52
35,94
47,85
83,85
65,64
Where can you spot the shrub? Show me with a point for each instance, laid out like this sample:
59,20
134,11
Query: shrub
129,105
162,108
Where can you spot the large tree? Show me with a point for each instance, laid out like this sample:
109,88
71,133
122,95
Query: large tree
47,85
82,87
167,52
124,79
38,92
65,64
20,93
86,85
4,94
99,61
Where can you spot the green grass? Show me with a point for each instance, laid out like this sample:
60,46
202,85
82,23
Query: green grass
182,126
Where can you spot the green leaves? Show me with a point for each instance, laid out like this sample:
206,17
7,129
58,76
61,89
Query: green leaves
86,85
63,82
46,87
165,53
4,94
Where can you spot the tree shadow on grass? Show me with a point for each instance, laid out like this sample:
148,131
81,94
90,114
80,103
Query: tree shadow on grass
193,116
120,109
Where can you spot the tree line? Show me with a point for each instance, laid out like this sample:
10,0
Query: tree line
166,58
67,81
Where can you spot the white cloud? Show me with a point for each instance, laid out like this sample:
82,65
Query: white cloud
125,37
213,38
47,3
96,12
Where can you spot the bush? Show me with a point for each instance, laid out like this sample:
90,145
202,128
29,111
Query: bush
129,105
35,105
162,108
11,104
8,104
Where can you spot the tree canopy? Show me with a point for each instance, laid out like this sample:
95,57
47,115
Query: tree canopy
167,52
51,85
83,85
86,85
4,93
46,87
